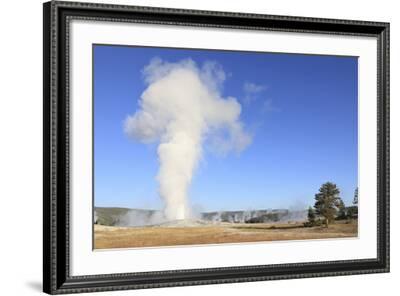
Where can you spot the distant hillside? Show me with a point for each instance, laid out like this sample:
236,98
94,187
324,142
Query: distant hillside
142,217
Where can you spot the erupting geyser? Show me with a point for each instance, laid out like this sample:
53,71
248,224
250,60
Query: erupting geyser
182,106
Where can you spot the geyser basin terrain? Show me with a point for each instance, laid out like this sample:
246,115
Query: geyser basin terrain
175,234
176,127
142,217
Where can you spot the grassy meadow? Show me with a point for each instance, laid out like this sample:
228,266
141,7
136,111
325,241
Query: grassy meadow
110,237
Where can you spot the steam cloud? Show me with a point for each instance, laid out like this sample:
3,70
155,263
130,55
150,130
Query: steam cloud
182,106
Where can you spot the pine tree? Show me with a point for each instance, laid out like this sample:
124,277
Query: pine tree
311,216
355,200
342,214
327,201
353,210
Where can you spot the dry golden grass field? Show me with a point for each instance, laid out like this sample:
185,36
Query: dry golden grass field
110,237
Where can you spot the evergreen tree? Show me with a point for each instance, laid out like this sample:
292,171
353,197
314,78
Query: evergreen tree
327,202
342,214
355,200
311,216
353,210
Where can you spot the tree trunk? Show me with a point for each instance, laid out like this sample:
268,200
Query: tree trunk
326,222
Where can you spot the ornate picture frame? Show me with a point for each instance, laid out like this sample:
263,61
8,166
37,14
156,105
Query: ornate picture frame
57,276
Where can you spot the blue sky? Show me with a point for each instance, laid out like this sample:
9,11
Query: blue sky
301,110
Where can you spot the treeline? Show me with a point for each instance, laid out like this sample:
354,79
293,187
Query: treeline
329,207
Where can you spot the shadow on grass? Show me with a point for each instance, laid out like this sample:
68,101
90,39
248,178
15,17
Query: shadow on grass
273,227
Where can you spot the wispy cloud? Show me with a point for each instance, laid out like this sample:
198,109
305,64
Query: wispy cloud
268,106
252,91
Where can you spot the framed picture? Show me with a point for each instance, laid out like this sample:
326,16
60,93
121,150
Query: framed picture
186,147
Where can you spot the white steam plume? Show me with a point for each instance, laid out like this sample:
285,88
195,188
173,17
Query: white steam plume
181,106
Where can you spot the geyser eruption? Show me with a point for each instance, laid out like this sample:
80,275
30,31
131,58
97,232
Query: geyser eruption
182,106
